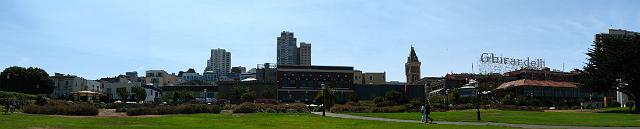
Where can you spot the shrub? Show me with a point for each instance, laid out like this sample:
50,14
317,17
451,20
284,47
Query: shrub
292,108
386,103
351,103
228,107
62,109
513,107
162,110
41,100
20,98
389,109
267,101
246,108
142,111
281,108
197,108
347,108
378,99
180,109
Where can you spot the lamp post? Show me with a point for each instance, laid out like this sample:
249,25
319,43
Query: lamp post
475,84
324,100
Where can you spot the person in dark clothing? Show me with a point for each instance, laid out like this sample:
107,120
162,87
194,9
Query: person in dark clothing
427,110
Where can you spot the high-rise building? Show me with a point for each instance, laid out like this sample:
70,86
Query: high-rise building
287,49
617,33
304,54
412,67
219,62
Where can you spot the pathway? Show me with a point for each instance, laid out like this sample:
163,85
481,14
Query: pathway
470,123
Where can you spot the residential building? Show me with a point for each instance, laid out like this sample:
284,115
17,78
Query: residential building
210,76
304,54
358,78
74,87
374,78
219,62
412,67
160,78
287,53
189,75
616,33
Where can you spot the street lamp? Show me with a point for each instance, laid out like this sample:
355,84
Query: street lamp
324,100
474,84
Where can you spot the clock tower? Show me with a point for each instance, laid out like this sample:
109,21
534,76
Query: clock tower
412,67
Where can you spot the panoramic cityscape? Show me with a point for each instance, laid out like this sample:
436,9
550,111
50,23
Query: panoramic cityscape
330,64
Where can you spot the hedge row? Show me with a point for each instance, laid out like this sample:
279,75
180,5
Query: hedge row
21,98
180,109
62,109
270,108
353,108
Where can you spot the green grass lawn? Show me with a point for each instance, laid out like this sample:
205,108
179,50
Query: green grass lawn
217,121
524,117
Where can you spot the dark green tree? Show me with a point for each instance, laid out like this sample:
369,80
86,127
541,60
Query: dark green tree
613,66
26,80
237,91
140,93
331,97
183,96
248,96
268,93
393,96
123,93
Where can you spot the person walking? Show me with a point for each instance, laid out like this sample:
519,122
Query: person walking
427,110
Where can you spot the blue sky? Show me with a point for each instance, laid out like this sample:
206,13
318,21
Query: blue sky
96,38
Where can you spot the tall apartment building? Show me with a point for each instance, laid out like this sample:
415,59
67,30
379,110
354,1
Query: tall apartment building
618,33
219,62
304,54
287,49
412,67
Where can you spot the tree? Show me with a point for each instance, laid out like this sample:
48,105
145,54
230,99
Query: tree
237,91
123,93
236,70
331,98
26,80
613,66
183,96
268,93
140,93
393,96
249,96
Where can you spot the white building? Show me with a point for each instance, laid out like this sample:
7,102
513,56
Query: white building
111,90
68,87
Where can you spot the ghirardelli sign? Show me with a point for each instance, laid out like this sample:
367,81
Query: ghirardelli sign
527,63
